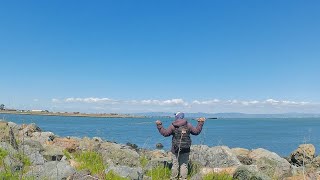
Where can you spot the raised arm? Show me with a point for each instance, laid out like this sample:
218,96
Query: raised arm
164,132
196,130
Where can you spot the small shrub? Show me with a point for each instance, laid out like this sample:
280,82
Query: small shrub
112,176
217,176
193,169
8,175
143,161
91,161
67,154
159,173
24,159
3,154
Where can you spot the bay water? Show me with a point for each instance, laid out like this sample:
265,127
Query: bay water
281,136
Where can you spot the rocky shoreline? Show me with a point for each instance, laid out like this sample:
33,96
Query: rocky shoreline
26,152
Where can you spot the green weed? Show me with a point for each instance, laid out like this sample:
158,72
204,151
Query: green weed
159,173
217,176
112,176
91,161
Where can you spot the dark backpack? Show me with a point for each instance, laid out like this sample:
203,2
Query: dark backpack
181,139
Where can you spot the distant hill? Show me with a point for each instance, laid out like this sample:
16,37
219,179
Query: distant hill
231,115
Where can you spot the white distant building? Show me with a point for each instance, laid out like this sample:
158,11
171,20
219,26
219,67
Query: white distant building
36,110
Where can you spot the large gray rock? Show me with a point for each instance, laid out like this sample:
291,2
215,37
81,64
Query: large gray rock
42,137
127,172
52,153
13,163
316,162
7,147
153,163
83,175
7,134
117,154
33,154
14,125
87,144
249,173
214,157
270,163
242,155
51,170
30,128
33,144
303,155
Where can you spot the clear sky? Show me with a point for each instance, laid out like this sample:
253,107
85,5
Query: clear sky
138,56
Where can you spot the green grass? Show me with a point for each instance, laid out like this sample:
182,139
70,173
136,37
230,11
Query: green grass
143,161
217,176
193,169
67,154
24,159
159,173
91,161
3,154
7,175
112,176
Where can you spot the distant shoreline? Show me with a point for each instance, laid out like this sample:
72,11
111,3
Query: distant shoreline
69,114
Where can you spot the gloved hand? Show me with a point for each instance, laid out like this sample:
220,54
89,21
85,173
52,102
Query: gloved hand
202,119
158,122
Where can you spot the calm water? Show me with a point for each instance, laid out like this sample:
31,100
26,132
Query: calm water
278,135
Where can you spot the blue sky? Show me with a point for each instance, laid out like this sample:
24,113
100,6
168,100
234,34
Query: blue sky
137,56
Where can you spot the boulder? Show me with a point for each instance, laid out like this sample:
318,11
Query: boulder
242,155
155,154
214,157
270,163
316,162
133,146
51,170
249,173
205,170
33,153
7,134
7,147
27,130
119,155
42,137
153,163
4,131
159,146
82,175
97,139
14,126
71,145
87,144
307,176
33,144
303,155
126,172
52,153
240,151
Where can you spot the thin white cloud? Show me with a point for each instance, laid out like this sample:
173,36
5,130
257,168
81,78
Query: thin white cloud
54,100
169,102
208,102
90,100
210,105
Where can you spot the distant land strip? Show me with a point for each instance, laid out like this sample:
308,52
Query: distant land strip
73,114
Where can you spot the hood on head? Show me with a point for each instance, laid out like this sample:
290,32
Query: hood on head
179,122
179,115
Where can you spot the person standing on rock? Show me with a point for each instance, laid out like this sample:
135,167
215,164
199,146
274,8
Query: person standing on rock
180,129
